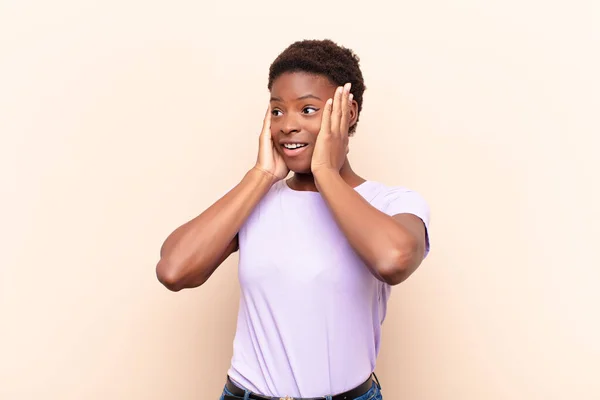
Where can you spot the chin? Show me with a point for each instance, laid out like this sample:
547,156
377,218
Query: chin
299,168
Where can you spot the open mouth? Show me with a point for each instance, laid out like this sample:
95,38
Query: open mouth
292,149
293,146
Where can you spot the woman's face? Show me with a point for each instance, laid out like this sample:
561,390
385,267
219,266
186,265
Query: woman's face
297,103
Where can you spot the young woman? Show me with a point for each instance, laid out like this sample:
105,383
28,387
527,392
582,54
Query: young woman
319,252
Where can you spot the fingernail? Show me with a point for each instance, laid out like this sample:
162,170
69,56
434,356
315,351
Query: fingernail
347,87
350,97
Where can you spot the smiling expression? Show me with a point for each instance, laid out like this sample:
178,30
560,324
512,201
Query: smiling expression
297,102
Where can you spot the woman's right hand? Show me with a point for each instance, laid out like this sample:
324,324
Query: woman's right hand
269,160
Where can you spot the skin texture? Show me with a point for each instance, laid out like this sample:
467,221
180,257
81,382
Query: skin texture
322,57
304,108
297,103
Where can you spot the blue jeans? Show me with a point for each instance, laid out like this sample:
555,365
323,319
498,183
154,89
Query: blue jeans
373,394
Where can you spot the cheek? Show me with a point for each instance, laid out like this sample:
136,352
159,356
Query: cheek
275,130
314,126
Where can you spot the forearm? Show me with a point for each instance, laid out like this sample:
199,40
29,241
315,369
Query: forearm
383,244
193,251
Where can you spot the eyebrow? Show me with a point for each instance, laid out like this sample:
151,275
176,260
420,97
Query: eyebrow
306,96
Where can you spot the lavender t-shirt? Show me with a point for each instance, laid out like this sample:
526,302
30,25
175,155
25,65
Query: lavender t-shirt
310,312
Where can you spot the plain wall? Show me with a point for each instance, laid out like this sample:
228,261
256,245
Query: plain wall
121,120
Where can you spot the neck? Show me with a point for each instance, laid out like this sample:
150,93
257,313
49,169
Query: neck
305,182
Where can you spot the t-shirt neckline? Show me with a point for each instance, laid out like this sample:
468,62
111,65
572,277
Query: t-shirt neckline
287,188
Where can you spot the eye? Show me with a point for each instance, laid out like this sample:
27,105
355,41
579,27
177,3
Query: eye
310,110
276,113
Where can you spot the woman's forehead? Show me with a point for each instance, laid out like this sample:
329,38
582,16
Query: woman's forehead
298,84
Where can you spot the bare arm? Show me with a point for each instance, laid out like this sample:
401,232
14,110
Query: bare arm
392,247
193,251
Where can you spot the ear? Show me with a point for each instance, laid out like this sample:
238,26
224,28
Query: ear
353,113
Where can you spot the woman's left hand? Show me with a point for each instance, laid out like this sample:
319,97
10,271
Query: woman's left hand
331,146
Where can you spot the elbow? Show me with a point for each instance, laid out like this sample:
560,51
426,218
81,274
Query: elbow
393,273
399,264
170,276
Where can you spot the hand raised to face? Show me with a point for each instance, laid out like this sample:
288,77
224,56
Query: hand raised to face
269,160
332,142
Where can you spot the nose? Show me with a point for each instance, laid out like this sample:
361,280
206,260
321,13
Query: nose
290,124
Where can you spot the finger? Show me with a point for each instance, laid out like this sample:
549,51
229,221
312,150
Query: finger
266,128
345,118
336,113
326,118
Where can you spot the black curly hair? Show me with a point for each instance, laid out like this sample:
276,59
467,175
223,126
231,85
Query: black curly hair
322,57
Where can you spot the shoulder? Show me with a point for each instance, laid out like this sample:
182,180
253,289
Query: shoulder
394,199
276,191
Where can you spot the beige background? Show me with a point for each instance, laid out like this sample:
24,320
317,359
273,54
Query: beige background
121,120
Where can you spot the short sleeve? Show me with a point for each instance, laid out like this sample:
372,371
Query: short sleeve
400,200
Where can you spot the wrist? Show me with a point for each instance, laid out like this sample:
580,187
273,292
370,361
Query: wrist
324,174
262,176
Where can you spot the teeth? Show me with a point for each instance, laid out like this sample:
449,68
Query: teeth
293,145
